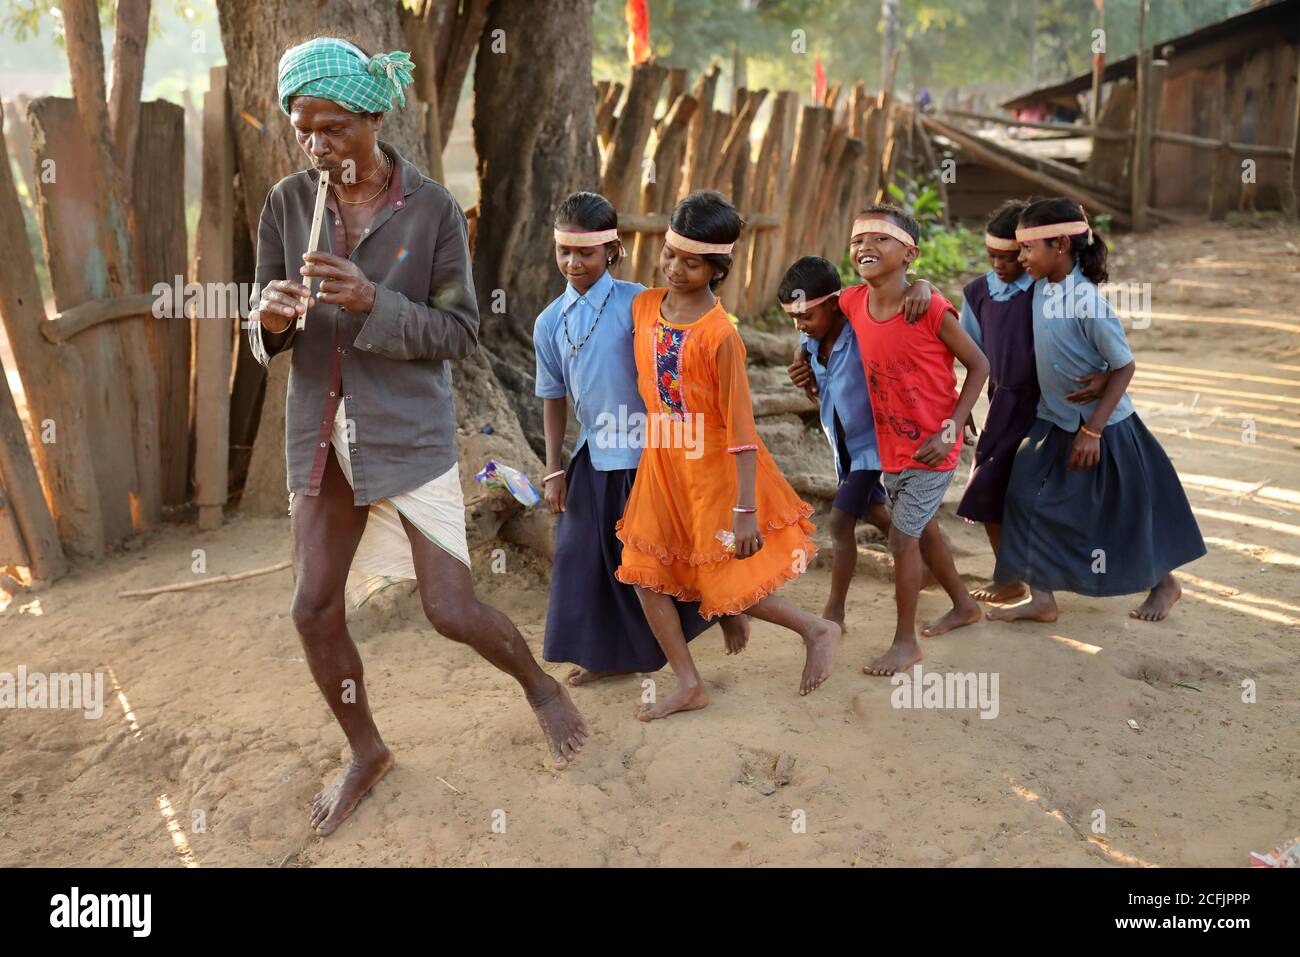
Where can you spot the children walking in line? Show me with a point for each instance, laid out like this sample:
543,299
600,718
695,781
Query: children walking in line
828,366
919,417
710,517
583,342
1094,505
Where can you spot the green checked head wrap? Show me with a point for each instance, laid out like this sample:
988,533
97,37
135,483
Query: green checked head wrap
337,70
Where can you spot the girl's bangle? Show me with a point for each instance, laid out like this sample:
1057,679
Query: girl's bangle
554,474
743,510
1088,432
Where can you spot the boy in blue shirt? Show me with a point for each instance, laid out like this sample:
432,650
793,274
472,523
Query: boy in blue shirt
829,368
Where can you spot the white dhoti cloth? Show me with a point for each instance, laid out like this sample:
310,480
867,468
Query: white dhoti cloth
383,557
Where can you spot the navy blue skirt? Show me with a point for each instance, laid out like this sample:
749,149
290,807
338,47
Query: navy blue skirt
1114,529
1012,413
594,620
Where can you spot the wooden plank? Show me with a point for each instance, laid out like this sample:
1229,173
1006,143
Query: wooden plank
1291,188
769,249
1107,161
266,490
52,383
675,90
86,315
20,144
621,173
111,217
26,516
1140,163
161,255
1078,129
699,137
212,349
77,273
810,142
605,119
1221,145
667,151
977,149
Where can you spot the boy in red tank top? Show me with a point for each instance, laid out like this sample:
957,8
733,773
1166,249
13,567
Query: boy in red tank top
919,417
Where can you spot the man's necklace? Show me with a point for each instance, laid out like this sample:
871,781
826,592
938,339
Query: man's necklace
564,317
360,202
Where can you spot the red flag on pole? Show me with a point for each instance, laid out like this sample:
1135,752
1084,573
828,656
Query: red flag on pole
638,31
819,82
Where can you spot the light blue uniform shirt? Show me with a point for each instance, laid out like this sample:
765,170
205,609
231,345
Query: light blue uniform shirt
842,391
600,379
999,291
1076,332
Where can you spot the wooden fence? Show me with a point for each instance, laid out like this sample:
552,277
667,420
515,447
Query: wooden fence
798,187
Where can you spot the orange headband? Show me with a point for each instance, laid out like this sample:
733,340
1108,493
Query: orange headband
688,245
1073,228
800,306
598,238
1004,245
884,227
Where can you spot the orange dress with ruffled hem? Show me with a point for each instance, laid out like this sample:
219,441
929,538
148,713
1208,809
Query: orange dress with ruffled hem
699,414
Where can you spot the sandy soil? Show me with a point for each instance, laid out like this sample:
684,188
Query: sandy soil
217,713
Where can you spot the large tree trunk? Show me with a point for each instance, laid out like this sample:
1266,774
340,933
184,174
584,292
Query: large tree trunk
529,159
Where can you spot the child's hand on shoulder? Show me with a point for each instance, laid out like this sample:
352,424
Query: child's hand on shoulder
1085,453
933,450
916,301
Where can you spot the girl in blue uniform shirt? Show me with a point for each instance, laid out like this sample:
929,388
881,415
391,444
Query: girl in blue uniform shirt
1094,505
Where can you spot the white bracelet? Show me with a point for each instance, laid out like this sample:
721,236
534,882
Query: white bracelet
552,475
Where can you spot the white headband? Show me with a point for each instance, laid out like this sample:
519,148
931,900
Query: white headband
598,238
1004,245
884,227
688,245
1052,230
800,306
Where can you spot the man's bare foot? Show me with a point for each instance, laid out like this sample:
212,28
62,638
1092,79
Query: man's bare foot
562,724
581,676
338,799
1035,608
1159,600
735,632
999,591
957,617
899,656
685,697
820,644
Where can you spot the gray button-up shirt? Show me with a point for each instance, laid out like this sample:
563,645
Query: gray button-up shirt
390,366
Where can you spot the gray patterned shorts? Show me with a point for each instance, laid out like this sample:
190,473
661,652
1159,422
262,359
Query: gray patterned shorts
915,495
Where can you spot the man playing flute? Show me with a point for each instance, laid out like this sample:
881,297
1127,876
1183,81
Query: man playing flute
370,430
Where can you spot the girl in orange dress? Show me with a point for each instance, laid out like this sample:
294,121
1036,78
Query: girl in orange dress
710,517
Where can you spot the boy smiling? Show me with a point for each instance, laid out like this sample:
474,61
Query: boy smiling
909,370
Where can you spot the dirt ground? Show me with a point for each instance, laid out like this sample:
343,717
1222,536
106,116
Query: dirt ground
211,714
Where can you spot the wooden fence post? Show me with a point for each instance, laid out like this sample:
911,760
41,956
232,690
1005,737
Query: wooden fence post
213,333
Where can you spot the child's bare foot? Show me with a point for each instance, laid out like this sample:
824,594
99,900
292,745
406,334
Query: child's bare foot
901,655
1159,600
338,799
820,643
562,724
1040,607
685,697
999,591
967,613
735,633
835,613
581,676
